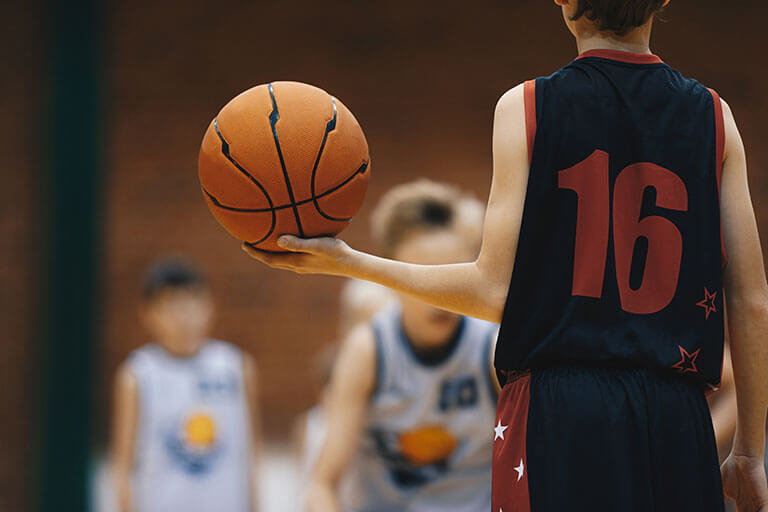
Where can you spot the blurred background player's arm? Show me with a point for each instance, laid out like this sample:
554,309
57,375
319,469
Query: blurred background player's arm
477,289
746,293
352,383
250,380
124,423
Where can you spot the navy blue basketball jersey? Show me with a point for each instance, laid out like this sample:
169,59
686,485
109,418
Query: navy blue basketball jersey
620,255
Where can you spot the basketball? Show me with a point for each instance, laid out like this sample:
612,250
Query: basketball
283,158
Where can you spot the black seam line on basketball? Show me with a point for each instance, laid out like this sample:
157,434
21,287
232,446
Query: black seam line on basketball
228,156
329,127
218,204
274,117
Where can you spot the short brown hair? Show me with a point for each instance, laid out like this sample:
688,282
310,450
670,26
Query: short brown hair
425,205
617,16
172,274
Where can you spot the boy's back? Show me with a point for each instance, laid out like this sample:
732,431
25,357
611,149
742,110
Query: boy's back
615,293
619,259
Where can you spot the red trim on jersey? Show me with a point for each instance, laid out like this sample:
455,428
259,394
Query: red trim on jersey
719,153
529,91
634,58
509,481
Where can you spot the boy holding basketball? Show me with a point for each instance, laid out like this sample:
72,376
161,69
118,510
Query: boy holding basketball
413,390
619,187
185,418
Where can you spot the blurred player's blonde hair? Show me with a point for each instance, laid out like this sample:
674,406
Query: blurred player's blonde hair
423,206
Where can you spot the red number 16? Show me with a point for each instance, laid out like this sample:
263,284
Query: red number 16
589,179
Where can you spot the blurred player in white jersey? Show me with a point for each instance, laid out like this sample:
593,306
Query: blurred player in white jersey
185,433
413,393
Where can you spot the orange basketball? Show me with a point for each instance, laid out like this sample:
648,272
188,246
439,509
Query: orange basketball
280,158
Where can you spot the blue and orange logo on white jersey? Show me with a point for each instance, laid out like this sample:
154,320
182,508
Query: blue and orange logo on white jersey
416,456
193,442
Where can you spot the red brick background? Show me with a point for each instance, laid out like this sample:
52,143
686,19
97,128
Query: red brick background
22,152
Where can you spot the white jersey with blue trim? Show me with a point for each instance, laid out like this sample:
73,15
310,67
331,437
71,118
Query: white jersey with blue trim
427,445
193,446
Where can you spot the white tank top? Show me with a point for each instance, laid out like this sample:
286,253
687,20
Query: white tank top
428,442
193,446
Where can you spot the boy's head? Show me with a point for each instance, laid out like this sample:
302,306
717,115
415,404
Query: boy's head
616,16
428,223
176,306
426,208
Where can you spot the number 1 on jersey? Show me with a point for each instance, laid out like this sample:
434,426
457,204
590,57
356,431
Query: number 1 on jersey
590,180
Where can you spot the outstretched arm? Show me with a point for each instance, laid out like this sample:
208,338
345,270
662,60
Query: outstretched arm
352,383
746,293
476,289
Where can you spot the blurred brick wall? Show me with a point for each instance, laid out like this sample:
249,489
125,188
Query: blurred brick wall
422,82
21,146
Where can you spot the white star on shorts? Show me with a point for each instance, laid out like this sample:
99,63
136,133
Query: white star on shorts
520,470
499,431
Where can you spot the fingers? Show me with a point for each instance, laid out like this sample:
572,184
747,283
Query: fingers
292,243
287,261
256,254
319,245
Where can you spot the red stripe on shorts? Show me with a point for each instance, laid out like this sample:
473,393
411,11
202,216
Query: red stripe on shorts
510,464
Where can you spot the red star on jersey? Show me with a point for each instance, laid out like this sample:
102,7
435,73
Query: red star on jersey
708,303
688,361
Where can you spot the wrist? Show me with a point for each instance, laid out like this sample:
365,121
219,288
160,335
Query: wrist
351,263
748,447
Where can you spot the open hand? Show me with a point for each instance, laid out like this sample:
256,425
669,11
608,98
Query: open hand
744,482
324,255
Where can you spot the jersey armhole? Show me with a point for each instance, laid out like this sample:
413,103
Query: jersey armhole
529,93
719,153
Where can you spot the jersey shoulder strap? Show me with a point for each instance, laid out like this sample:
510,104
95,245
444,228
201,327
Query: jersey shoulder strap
143,361
223,351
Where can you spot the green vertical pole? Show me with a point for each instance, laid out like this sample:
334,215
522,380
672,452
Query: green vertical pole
70,259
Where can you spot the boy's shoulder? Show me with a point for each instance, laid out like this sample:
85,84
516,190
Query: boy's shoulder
581,69
145,352
595,77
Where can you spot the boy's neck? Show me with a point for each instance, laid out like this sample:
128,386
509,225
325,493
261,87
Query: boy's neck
181,353
636,41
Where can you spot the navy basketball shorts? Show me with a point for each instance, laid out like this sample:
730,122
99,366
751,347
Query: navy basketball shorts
581,439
